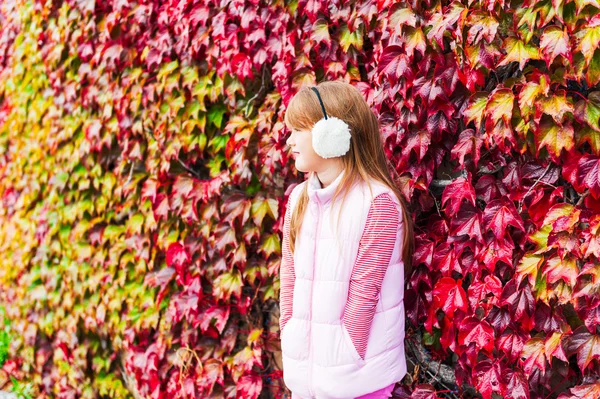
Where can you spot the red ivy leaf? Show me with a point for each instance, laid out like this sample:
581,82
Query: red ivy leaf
587,174
160,279
585,344
480,291
534,356
519,298
242,66
488,377
161,206
183,186
516,385
445,260
468,221
438,123
149,189
249,386
496,251
212,373
587,391
562,217
468,143
475,79
394,63
570,170
421,279
449,295
219,313
500,318
423,251
320,32
489,188
178,258
512,342
177,255
499,214
424,391
448,338
561,269
480,332
456,192
417,142
482,26
591,317
184,305
549,319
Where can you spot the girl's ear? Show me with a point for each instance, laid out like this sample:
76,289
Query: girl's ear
331,137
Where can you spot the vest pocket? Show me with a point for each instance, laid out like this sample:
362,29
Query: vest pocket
350,348
333,346
294,339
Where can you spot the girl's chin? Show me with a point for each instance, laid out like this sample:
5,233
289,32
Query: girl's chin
300,167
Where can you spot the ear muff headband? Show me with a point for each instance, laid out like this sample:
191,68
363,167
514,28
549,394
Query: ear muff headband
320,101
331,135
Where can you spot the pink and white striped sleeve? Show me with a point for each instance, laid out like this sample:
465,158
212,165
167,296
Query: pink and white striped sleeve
287,275
374,253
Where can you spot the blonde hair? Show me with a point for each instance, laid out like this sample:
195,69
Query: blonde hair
366,158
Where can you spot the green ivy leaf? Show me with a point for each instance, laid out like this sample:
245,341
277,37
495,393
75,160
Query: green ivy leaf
219,142
264,206
227,285
215,115
271,244
354,38
588,111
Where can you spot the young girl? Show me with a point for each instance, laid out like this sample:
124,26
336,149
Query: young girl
347,239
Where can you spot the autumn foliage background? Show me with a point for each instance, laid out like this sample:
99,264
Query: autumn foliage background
144,173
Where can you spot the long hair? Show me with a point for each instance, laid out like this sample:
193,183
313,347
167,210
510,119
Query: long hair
364,161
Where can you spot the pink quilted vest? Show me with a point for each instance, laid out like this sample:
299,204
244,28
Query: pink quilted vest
319,358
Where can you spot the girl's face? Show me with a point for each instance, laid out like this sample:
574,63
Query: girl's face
307,160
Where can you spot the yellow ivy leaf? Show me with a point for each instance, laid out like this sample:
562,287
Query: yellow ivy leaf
518,51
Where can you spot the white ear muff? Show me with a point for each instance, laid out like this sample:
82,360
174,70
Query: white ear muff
331,135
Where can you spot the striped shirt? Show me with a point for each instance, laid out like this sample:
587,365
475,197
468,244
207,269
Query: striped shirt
374,254
287,276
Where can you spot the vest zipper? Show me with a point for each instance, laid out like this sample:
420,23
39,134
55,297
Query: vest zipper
310,356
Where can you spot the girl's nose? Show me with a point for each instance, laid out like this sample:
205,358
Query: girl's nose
289,140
